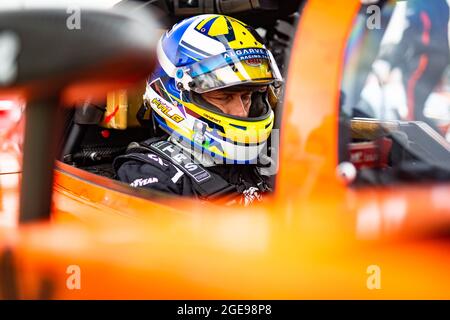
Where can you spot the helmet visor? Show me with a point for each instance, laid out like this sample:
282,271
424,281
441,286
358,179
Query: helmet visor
234,67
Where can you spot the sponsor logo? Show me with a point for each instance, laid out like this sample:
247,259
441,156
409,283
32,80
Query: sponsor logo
166,110
254,62
143,182
183,161
247,54
157,159
207,116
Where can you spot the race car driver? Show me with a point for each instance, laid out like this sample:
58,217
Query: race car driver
210,96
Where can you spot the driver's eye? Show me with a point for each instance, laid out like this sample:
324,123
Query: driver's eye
220,97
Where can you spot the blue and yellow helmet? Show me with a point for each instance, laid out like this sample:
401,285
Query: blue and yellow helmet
206,53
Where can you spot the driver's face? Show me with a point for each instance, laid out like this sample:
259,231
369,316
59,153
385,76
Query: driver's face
232,102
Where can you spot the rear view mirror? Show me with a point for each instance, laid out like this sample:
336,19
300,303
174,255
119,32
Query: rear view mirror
49,64
42,54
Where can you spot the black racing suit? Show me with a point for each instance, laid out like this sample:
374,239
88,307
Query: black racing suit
146,167
423,52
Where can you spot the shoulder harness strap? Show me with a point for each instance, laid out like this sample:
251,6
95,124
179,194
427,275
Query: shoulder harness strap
208,184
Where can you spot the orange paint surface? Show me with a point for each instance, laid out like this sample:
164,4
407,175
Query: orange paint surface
314,238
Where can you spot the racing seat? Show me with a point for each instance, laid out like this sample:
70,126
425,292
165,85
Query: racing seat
95,134
90,146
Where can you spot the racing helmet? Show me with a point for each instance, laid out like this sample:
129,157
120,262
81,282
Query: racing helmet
206,53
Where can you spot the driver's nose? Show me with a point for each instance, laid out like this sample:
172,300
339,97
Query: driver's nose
237,107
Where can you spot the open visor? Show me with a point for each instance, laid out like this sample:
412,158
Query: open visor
234,67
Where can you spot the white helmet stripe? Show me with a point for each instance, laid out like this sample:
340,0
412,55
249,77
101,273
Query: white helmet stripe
194,38
194,49
276,71
164,61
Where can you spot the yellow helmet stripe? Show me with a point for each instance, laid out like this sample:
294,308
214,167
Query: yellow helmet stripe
205,21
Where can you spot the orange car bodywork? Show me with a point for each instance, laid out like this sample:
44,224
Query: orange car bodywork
314,238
